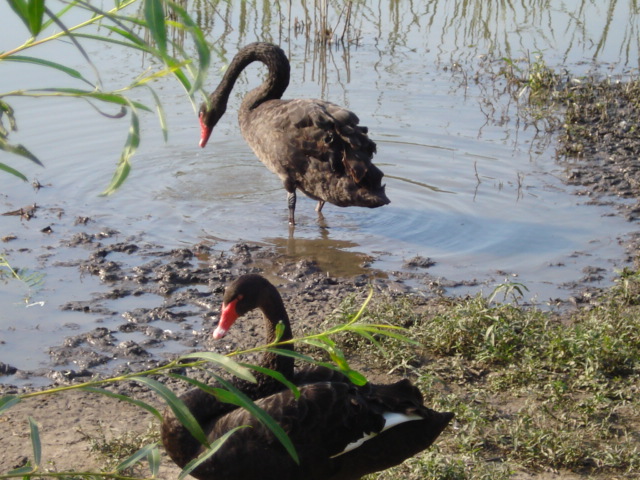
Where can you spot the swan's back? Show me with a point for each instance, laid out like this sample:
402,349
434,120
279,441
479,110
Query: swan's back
317,147
322,422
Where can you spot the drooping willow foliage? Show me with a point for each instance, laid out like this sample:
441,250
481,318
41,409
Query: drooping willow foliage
141,25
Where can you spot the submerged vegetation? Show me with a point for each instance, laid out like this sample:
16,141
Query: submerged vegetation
29,279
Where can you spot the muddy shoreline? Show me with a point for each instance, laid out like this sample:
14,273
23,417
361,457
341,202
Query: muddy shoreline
597,144
190,282
600,153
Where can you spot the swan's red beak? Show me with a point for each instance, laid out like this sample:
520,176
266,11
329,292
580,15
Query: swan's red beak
205,132
227,318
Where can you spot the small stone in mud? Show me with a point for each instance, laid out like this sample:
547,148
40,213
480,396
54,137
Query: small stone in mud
137,315
81,238
419,262
6,369
81,220
182,254
146,315
117,293
131,349
100,337
26,213
151,343
593,274
154,332
108,232
201,249
128,328
47,230
66,376
82,357
87,306
8,238
124,248
301,269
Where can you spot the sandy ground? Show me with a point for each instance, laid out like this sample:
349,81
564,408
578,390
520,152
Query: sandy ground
66,422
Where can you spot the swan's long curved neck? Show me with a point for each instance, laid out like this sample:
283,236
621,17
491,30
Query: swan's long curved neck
274,85
276,317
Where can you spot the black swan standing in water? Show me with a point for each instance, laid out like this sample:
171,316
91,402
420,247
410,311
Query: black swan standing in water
314,146
340,431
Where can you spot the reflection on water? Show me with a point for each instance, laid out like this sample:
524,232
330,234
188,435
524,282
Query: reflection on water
336,257
473,186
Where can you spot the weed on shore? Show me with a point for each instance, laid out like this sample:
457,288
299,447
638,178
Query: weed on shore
532,390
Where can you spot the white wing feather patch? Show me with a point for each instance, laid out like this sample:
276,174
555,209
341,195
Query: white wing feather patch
391,419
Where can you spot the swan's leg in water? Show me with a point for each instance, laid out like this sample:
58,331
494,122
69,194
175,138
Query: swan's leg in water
319,206
291,201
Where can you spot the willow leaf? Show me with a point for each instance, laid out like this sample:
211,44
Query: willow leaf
119,176
142,47
215,446
293,354
22,471
7,110
148,77
225,362
275,375
136,457
238,398
130,147
222,395
355,377
279,331
36,12
7,402
21,9
305,358
162,117
19,150
135,40
362,308
47,63
153,457
177,71
30,12
372,339
204,54
154,15
103,97
337,356
385,330
180,410
35,441
264,418
124,398
58,14
12,171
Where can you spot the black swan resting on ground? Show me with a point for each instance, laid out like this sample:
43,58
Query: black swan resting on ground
314,146
338,429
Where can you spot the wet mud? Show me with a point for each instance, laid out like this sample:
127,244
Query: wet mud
188,284
599,145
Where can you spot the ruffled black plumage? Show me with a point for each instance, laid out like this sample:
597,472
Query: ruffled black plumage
323,423
314,146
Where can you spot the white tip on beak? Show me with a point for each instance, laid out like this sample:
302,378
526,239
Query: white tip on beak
219,332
